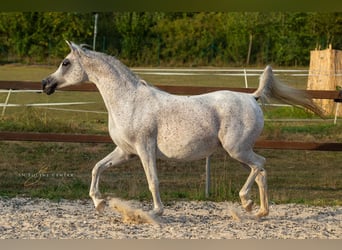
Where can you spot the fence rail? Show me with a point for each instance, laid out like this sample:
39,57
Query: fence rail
185,90
86,138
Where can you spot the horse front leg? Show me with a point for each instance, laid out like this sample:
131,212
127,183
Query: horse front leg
114,158
148,160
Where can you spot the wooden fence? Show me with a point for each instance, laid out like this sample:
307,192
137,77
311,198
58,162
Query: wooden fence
184,90
86,138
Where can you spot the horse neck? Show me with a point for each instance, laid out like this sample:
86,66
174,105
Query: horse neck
117,85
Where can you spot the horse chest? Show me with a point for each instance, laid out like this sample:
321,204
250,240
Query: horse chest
123,136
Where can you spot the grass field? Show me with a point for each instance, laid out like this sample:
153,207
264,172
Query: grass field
57,170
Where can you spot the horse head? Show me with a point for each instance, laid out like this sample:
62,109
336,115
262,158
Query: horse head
69,72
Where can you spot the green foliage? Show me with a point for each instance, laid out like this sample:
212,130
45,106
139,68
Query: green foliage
171,39
33,36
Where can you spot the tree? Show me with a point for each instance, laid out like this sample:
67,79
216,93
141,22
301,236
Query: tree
35,35
326,28
178,38
134,29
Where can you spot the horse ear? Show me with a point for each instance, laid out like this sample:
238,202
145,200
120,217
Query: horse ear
72,46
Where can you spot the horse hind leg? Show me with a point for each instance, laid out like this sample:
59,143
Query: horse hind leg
258,174
261,181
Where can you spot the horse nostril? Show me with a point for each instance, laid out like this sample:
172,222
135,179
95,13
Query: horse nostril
44,82
49,86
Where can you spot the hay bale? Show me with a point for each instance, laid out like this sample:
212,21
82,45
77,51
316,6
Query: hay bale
325,73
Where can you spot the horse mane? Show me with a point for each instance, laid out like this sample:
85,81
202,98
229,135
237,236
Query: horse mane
114,64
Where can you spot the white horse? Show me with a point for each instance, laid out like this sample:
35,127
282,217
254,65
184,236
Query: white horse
148,123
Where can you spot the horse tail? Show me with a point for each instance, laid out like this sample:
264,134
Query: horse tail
270,87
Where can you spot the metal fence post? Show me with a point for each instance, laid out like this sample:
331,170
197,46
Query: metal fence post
95,30
207,177
245,74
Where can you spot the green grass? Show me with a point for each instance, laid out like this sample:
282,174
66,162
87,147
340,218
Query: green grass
19,72
63,170
56,170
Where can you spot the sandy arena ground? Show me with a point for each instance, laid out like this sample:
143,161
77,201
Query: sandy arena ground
26,218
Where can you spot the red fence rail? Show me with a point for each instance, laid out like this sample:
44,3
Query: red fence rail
185,90
86,138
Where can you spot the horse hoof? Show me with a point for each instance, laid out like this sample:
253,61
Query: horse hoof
248,206
261,213
156,212
101,206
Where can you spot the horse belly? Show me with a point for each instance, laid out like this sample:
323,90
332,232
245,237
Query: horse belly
187,141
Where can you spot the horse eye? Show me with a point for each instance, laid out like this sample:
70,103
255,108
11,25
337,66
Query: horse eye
65,63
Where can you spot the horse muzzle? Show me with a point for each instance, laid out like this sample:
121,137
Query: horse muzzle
49,86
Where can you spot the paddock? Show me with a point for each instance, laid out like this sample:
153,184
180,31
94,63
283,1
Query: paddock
27,218
55,176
